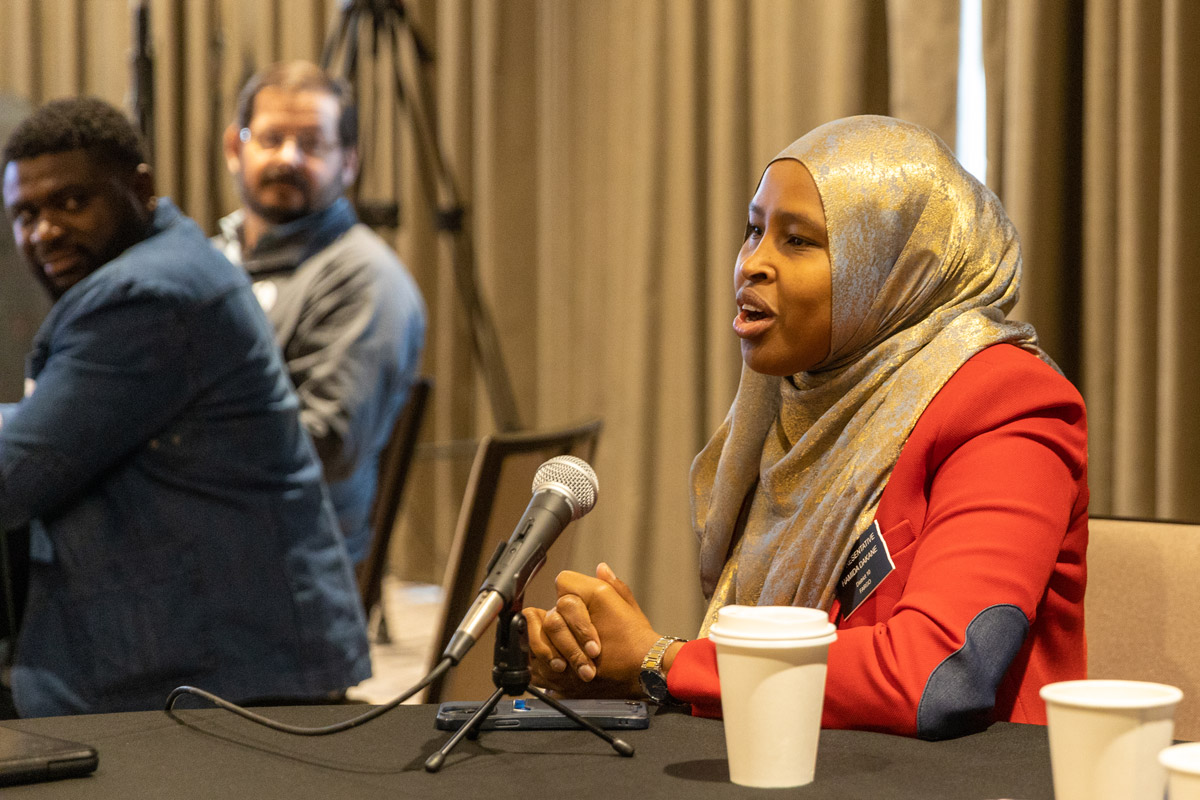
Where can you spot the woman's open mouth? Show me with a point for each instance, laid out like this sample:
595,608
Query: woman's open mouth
754,317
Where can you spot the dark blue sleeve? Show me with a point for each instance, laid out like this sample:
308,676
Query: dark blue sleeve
115,374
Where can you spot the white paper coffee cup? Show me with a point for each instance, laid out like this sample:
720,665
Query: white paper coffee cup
1182,762
771,661
1105,737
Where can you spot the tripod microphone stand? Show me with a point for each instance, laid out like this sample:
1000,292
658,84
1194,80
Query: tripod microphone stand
386,21
511,674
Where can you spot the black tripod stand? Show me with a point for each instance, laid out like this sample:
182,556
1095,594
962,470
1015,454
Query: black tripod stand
510,673
385,21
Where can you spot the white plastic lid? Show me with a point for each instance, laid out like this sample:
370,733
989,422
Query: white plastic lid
1111,694
1182,758
771,623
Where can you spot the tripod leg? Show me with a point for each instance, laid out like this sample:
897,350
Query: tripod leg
621,746
471,728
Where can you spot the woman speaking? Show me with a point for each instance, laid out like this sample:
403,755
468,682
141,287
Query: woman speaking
889,419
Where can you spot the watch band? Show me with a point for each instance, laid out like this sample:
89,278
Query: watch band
652,678
653,659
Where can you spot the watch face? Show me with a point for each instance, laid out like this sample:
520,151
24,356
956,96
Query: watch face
654,684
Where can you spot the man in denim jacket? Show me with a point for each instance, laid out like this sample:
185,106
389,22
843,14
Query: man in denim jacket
179,530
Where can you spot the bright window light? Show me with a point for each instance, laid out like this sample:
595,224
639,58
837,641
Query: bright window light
972,91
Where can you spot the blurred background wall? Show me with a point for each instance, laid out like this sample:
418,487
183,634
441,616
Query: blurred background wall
606,150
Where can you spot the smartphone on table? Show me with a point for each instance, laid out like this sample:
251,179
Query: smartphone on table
28,757
532,714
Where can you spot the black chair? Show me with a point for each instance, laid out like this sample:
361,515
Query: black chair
394,463
14,581
498,490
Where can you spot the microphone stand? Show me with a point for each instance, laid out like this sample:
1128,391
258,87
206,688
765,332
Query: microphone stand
386,21
141,61
511,674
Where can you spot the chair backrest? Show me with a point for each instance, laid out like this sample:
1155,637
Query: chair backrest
394,462
497,493
1141,608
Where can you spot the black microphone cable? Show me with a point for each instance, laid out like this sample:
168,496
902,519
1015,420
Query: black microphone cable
324,730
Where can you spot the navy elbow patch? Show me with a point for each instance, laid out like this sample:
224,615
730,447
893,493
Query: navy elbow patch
961,690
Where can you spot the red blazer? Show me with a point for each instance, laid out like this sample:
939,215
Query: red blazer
985,516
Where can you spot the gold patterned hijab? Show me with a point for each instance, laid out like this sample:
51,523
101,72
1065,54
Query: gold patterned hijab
925,267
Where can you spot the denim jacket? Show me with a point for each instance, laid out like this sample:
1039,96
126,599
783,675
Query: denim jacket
180,532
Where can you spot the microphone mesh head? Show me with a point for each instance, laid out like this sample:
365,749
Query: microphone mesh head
572,475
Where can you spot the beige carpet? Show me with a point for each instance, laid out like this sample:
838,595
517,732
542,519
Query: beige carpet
411,612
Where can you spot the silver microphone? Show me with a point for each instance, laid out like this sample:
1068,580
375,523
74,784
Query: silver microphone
564,489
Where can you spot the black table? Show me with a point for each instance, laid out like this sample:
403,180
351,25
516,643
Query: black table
209,753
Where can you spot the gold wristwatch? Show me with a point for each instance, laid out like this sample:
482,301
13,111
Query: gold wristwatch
654,680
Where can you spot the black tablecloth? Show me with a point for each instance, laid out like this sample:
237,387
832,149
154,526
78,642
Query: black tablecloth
211,754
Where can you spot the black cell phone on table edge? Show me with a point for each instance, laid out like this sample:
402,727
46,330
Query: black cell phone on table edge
28,757
534,715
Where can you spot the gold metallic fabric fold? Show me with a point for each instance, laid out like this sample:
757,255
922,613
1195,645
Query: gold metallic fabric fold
925,268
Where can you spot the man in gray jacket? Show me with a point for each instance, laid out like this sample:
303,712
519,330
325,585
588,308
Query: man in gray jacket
347,314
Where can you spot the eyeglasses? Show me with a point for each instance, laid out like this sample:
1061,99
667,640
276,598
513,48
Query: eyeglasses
311,144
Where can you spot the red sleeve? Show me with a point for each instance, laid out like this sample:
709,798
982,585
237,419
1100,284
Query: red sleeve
991,482
693,678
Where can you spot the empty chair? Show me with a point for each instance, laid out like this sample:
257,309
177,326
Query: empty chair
1141,608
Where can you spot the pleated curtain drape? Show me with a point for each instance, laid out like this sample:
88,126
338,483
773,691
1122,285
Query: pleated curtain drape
1094,148
606,152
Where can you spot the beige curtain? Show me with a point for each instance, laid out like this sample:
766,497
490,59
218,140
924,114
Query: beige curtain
1034,75
1094,113
606,152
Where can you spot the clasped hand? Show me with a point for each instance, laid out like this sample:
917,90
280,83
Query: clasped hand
592,642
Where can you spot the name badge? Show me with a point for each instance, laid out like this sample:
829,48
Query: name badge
869,563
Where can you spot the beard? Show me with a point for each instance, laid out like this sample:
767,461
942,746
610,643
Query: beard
132,227
297,195
259,199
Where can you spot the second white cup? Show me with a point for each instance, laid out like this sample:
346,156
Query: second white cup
1105,737
771,661
1183,770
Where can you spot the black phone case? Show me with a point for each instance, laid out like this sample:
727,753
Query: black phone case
28,757
527,714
